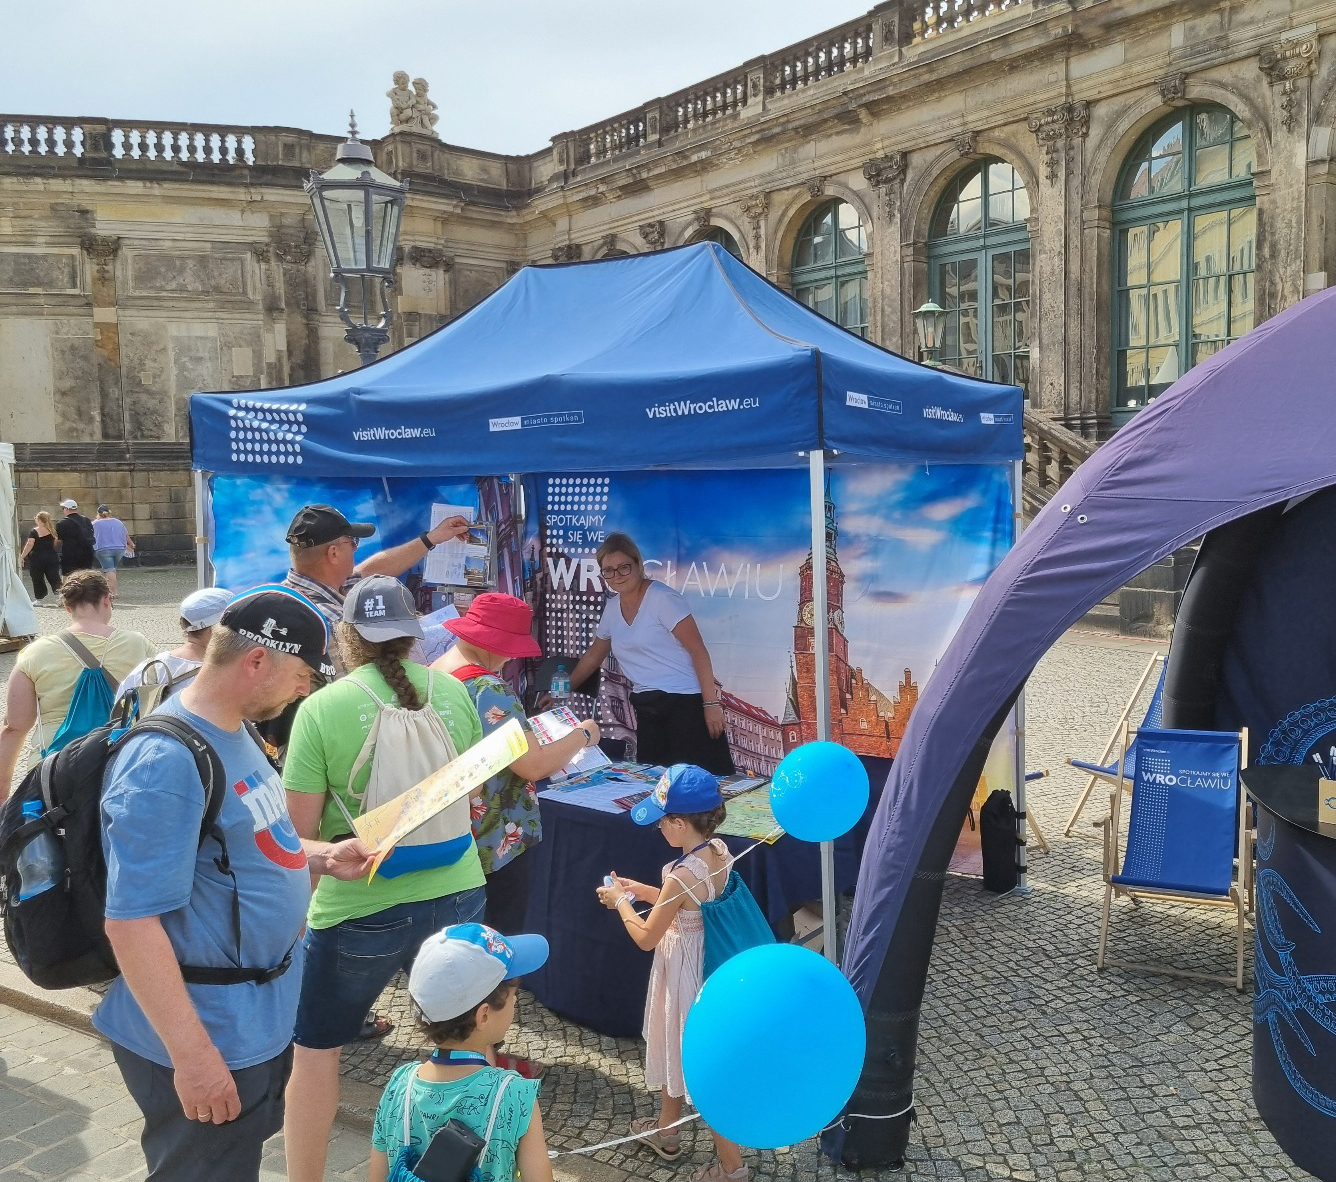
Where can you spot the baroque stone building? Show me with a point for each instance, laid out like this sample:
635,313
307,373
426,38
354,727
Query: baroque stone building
1101,192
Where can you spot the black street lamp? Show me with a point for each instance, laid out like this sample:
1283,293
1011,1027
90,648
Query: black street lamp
358,209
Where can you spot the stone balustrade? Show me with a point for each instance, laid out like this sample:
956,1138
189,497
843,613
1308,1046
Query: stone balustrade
704,102
1052,454
941,16
820,57
93,139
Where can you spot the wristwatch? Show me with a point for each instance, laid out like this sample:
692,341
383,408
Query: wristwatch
426,541
589,738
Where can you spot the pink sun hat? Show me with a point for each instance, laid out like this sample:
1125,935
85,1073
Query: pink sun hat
499,623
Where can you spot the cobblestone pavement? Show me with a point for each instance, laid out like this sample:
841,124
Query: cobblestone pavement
1031,1064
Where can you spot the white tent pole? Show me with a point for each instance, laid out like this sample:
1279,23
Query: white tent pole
1018,711
203,574
816,467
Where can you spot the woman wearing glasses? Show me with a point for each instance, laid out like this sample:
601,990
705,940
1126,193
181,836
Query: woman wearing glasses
647,626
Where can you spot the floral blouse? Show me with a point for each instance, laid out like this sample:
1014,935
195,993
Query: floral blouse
505,813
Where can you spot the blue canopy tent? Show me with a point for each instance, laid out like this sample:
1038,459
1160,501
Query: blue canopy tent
681,358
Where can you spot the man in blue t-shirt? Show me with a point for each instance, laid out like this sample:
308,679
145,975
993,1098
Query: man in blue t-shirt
207,1064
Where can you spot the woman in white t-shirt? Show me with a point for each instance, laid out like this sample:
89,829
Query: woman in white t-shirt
647,626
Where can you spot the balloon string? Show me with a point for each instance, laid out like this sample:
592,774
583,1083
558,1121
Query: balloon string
553,1153
623,1140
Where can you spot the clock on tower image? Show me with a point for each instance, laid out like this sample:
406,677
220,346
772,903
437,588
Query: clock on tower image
863,718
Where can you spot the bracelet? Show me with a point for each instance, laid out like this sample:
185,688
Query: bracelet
716,702
426,541
627,897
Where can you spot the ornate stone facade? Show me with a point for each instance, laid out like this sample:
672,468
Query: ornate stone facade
217,282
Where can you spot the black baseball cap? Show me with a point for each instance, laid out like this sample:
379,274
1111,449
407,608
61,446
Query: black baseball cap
315,525
284,620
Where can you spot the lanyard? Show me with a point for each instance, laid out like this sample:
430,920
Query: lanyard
689,852
453,1058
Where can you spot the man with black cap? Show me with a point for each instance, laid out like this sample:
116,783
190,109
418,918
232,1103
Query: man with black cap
207,1062
323,544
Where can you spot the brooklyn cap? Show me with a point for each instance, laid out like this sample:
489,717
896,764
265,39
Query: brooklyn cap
284,620
380,608
457,969
315,525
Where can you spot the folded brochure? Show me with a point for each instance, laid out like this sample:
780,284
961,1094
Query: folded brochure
384,827
556,724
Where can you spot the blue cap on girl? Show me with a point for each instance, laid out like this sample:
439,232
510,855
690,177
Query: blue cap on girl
683,788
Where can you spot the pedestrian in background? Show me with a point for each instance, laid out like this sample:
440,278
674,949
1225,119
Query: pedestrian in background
39,551
75,534
110,542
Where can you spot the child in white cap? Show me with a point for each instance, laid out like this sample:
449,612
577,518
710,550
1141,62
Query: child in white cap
464,983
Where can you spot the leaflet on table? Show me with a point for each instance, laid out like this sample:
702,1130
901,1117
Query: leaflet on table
751,816
555,724
731,786
385,826
445,564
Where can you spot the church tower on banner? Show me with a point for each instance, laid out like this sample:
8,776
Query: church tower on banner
861,717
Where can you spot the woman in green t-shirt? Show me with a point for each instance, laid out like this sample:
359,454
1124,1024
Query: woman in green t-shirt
361,933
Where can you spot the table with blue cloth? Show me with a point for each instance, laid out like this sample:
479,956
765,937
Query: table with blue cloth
595,974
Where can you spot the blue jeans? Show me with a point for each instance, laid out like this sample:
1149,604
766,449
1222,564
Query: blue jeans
349,965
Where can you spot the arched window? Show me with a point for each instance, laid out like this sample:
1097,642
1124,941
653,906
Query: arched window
724,238
829,270
979,270
1185,225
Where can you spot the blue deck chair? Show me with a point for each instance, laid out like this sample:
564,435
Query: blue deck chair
1107,769
1185,824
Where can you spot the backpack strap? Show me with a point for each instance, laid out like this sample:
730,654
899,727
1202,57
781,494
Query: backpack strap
71,642
468,672
214,780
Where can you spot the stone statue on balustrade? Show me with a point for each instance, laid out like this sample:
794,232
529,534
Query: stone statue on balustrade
410,108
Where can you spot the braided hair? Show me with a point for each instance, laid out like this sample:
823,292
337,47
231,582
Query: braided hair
388,656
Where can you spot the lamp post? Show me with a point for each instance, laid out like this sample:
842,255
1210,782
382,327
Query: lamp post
929,324
358,209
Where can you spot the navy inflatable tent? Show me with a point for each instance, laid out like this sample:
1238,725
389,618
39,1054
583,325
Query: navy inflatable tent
1251,427
682,358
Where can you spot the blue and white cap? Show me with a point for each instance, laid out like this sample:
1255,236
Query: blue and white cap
459,967
683,788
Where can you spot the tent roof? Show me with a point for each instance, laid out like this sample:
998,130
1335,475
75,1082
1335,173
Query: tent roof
677,358
1250,427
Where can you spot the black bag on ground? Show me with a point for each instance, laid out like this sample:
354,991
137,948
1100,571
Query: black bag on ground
58,936
998,841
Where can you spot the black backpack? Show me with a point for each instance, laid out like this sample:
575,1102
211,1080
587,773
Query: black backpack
58,936
998,842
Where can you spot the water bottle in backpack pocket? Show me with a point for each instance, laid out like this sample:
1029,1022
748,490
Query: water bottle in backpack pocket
40,864
404,747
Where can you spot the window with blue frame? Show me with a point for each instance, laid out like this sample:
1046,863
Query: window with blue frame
829,268
1185,234
724,238
979,271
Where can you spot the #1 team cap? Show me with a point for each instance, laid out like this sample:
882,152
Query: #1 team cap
458,968
280,618
380,608
683,788
315,525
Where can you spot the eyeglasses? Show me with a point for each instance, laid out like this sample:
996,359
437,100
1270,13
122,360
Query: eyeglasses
618,572
353,542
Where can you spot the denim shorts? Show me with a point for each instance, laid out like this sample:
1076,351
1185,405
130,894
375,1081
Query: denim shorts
349,965
110,559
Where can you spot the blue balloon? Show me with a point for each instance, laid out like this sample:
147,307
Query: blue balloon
773,1046
819,791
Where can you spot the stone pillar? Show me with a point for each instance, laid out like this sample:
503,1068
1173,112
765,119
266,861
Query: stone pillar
1093,336
1288,65
886,175
424,292
1055,273
754,209
274,370
102,251
296,339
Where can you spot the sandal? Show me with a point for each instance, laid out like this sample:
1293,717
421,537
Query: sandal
374,1027
667,1144
714,1172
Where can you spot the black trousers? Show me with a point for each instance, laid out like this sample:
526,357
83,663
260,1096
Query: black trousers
180,1150
43,569
670,728
508,895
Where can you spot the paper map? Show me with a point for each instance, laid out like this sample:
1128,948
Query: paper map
444,566
552,725
385,826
